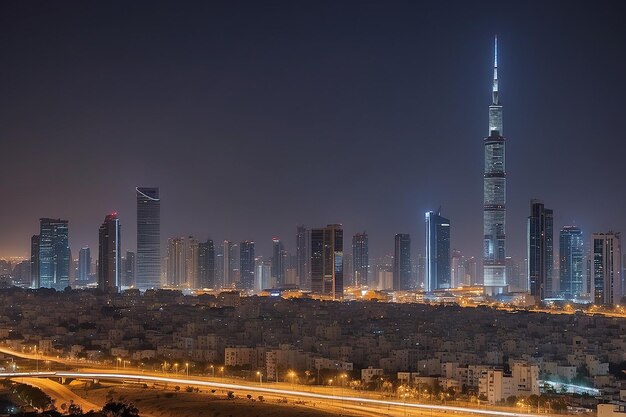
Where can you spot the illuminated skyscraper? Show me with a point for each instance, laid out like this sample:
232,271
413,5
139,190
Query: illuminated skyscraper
437,251
540,250
54,254
303,257
360,259
84,264
206,264
402,262
34,261
110,254
176,271
129,269
148,238
279,256
517,282
327,261
606,268
494,191
246,260
571,255
457,269
228,264
191,262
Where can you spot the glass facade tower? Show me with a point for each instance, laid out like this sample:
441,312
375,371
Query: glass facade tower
110,255
84,264
540,250
246,261
303,257
437,252
148,267
494,192
327,261
206,264
360,259
571,255
402,262
54,254
606,270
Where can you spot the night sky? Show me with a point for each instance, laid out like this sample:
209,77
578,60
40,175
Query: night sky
253,117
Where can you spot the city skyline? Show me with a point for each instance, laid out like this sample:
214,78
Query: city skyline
329,208
529,66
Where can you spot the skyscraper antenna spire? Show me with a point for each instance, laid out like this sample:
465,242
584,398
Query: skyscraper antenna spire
495,71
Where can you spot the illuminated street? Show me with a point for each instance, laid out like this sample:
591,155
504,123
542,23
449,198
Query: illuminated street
400,406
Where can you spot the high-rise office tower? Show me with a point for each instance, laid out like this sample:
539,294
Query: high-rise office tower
571,254
109,254
34,261
402,262
235,276
219,266
607,268
421,271
540,250
176,271
54,254
437,251
457,269
494,192
84,264
246,261
348,276
517,281
303,257
148,268
360,259
227,248
73,269
383,273
129,269
471,271
192,278
279,256
327,261
206,264
263,273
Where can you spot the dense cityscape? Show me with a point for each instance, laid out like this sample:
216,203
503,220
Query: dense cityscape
319,323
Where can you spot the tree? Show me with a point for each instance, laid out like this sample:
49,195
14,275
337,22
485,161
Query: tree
74,410
119,409
511,401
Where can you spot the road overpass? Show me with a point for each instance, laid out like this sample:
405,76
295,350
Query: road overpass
347,399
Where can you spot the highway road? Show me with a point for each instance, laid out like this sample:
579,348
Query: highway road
60,393
347,400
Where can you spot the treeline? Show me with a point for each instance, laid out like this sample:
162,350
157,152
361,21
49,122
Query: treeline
34,398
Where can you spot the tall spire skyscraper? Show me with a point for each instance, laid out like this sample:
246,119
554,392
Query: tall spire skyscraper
494,188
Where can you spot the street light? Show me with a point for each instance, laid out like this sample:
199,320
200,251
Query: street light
187,368
176,367
292,374
117,364
260,376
